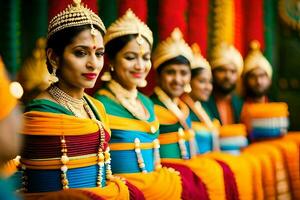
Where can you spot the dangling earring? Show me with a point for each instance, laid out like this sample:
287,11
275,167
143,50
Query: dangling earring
53,78
111,67
142,84
187,88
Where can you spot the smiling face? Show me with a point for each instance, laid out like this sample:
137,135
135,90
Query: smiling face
201,84
132,64
173,78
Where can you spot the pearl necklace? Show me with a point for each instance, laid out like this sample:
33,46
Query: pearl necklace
128,99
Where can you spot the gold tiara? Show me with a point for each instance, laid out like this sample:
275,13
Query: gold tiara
170,48
128,24
75,15
225,53
198,60
256,59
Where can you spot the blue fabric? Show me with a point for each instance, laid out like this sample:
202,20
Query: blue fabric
204,141
259,133
6,190
50,180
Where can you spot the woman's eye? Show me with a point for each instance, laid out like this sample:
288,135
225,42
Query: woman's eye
100,54
80,53
129,57
146,58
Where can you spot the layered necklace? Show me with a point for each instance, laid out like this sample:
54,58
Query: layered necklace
78,107
128,99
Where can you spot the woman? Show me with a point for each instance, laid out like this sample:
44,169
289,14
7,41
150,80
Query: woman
134,145
201,85
66,132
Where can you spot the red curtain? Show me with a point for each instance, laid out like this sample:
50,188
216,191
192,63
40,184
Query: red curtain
138,7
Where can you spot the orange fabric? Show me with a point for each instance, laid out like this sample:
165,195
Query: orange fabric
242,171
10,168
209,171
230,130
7,101
152,184
173,137
225,111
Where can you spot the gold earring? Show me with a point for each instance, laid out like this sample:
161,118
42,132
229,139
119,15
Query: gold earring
53,78
142,84
111,67
187,88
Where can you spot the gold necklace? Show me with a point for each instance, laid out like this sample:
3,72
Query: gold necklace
129,100
78,107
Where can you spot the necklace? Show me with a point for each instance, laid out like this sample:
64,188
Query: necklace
78,107
129,100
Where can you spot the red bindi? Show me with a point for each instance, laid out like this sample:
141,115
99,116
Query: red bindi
94,47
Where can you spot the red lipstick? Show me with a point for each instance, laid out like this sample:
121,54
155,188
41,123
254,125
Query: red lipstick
90,76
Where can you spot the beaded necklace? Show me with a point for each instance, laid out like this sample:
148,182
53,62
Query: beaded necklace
103,155
173,107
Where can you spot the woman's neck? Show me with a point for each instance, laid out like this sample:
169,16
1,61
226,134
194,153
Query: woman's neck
74,92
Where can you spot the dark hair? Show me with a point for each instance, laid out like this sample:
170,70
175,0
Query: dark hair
115,45
196,72
177,60
59,40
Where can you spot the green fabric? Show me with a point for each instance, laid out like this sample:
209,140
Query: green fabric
34,23
211,107
152,20
10,34
116,109
108,11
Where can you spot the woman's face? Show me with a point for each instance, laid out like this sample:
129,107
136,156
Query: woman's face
132,64
201,85
173,78
82,61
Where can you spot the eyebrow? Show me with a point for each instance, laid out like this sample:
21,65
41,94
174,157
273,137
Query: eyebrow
87,47
136,53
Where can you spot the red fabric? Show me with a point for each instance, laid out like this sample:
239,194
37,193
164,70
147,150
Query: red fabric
56,6
193,187
171,15
198,24
254,22
138,7
239,26
134,192
230,183
50,146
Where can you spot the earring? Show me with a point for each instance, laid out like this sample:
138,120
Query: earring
111,67
142,84
53,78
187,88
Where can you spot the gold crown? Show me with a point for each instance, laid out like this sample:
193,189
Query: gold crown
128,24
255,59
170,48
198,60
224,54
74,15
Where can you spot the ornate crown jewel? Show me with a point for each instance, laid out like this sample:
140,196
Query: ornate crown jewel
255,59
170,48
198,60
224,54
128,24
75,15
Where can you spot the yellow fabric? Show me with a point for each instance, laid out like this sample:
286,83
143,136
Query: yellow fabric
242,172
170,48
129,146
155,184
122,123
166,117
7,100
114,190
255,59
10,168
258,189
173,137
209,171
230,130
281,183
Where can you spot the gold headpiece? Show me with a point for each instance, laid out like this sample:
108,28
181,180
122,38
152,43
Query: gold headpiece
75,15
227,54
198,60
256,59
128,24
170,48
